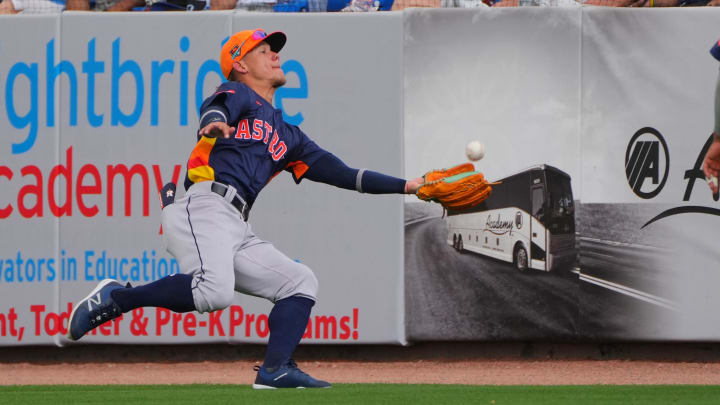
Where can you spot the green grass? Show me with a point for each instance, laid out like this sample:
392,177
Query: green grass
362,394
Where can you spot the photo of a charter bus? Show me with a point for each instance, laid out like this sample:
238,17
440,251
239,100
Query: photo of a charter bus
529,220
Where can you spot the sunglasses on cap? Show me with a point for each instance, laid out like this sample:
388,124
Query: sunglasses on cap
256,36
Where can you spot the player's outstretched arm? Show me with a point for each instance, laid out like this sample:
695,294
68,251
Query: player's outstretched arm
331,170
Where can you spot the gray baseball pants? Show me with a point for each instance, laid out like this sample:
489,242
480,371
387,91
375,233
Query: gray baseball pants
212,242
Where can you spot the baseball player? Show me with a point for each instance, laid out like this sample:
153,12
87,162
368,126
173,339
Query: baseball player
711,164
243,142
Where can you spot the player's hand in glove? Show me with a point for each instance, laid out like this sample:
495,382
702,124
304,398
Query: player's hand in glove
711,164
456,188
411,186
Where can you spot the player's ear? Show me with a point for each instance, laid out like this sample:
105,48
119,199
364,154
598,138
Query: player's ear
240,66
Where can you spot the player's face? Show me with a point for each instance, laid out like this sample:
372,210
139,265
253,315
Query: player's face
263,64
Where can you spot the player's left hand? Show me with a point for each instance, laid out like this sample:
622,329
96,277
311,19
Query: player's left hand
217,129
711,164
662,3
411,186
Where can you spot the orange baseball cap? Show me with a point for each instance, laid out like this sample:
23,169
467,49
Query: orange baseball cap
243,42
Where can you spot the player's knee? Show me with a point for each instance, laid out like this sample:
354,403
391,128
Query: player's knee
222,300
211,299
304,284
311,283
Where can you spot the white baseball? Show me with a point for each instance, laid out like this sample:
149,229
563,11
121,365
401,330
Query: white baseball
475,150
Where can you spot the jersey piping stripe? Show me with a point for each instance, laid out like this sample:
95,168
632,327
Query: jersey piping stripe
198,165
192,231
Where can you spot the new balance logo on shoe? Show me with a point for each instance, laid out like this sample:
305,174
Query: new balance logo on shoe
95,301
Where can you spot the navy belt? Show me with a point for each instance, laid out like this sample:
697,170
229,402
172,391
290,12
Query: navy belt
237,201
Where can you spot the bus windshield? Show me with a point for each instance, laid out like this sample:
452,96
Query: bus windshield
561,206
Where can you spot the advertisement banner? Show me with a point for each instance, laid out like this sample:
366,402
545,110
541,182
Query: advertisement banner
96,118
649,221
595,125
509,79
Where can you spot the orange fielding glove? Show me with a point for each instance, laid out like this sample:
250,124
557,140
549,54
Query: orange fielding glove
456,188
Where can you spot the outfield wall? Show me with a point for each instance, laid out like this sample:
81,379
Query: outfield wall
96,117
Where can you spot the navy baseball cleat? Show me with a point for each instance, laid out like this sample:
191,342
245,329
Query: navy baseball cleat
97,308
287,376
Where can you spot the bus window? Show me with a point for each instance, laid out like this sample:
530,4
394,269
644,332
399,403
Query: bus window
538,202
561,206
561,198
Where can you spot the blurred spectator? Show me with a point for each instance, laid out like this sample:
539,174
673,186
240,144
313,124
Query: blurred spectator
175,5
222,4
252,5
367,5
610,3
163,5
652,3
292,6
402,4
284,6
56,6
362,5
42,6
550,3
467,3
6,7
118,5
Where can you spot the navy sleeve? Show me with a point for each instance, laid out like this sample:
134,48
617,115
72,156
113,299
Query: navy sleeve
303,154
715,50
216,112
235,97
331,170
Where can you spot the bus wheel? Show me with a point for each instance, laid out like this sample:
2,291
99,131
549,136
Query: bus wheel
521,258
